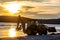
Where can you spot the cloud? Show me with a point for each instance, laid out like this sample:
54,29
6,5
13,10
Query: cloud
44,9
3,11
34,3
21,0
32,0
34,15
51,1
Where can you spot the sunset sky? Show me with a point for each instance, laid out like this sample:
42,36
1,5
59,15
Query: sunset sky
42,9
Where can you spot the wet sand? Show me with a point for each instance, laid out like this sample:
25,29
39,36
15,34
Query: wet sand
44,37
6,33
12,34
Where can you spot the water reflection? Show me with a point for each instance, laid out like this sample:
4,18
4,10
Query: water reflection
8,30
12,32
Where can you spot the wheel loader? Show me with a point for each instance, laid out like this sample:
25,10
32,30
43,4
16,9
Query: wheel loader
32,27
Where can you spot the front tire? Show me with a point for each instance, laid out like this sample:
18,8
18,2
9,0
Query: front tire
39,33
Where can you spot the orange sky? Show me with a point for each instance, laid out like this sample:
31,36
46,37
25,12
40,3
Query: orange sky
46,9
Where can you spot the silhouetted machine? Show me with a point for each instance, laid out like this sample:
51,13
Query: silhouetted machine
32,27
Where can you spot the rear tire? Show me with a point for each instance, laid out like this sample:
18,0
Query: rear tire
31,30
40,33
31,34
44,32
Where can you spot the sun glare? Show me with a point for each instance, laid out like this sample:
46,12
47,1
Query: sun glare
13,7
12,32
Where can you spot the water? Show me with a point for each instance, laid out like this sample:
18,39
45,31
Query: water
8,29
57,26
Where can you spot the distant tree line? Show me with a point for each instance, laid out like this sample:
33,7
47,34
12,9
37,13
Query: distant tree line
14,19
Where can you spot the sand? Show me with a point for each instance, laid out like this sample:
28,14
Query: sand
35,37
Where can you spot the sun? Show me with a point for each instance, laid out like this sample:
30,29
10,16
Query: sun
13,7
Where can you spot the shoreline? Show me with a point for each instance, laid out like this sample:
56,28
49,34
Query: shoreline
34,37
